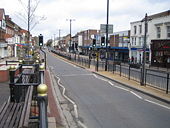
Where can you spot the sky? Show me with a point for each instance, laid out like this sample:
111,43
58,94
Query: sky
87,14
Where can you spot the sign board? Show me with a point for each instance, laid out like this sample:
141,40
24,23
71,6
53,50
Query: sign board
103,28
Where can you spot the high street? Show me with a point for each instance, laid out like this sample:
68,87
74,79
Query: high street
105,104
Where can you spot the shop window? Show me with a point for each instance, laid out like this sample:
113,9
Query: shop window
158,32
168,31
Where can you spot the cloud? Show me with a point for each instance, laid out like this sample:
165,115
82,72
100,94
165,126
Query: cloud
88,14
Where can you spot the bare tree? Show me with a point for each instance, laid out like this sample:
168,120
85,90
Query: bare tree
28,15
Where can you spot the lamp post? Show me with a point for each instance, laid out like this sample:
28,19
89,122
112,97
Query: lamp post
107,20
144,52
54,40
70,47
59,30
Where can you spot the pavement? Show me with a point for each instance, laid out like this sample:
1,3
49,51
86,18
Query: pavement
148,90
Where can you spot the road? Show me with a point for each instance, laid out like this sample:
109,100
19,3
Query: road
105,104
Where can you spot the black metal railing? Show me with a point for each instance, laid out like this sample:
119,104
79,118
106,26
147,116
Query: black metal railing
157,79
21,78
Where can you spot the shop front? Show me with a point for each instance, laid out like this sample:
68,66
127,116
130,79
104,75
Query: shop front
160,53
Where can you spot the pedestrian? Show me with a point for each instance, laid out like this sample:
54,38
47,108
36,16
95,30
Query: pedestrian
132,59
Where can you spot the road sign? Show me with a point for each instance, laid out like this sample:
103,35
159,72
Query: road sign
103,28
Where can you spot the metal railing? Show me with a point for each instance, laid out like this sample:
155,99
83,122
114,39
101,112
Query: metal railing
21,78
156,79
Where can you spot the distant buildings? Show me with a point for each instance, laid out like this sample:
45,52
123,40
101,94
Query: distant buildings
12,37
127,46
3,43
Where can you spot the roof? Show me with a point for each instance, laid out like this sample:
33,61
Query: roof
158,15
2,11
161,14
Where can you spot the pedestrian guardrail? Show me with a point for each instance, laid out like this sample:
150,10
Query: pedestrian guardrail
156,79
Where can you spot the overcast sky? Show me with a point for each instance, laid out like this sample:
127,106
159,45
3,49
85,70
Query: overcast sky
88,14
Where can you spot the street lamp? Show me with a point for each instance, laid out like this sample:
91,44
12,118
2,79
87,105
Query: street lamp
107,20
54,40
70,48
144,52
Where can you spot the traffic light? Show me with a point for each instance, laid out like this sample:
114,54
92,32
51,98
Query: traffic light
40,40
102,41
94,42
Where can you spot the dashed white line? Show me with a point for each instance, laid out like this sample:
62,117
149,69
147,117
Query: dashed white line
122,88
157,104
136,95
110,83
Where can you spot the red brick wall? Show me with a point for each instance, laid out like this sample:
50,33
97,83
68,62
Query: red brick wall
4,75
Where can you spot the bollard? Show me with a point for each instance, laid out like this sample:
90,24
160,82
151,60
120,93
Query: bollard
167,86
11,85
42,103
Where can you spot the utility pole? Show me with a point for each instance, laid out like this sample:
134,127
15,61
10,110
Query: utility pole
59,36
54,40
70,47
144,52
106,59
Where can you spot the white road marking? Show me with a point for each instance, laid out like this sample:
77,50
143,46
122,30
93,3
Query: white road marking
157,104
131,92
110,83
71,101
122,88
136,95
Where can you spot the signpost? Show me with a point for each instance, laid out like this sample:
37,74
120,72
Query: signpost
103,28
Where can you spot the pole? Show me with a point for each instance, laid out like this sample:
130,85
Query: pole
106,60
70,36
144,54
59,37
70,33
54,41
28,22
45,56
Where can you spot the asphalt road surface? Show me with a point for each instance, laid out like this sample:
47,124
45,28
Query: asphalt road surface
105,104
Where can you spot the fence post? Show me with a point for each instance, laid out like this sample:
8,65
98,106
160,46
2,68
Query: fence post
113,67
120,69
145,77
97,62
42,103
89,59
167,86
129,73
41,75
11,85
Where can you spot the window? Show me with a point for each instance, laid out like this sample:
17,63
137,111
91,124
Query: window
135,40
132,40
134,29
158,32
168,31
140,41
140,29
